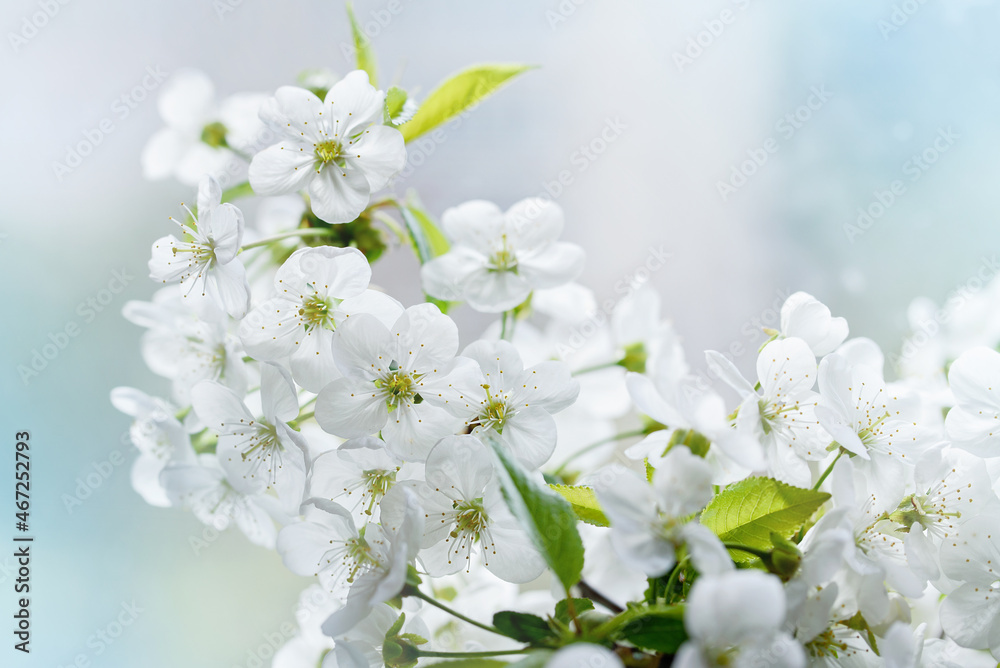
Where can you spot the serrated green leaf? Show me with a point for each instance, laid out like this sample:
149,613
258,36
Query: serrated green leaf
584,503
579,605
458,93
522,626
362,47
395,98
748,511
659,630
545,515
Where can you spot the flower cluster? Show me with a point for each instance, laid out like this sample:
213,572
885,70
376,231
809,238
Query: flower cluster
813,514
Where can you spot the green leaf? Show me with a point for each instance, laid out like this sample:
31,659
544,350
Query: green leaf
437,242
418,238
395,98
579,605
471,663
362,47
458,93
545,515
522,627
237,191
584,503
748,511
659,630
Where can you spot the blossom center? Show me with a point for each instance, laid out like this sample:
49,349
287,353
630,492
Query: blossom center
316,311
358,557
328,151
503,259
495,412
470,519
398,387
264,447
376,483
214,134
826,644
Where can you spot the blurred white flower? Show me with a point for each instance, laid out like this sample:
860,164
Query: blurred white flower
202,137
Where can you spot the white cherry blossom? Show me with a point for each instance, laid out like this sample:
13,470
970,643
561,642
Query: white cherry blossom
335,148
465,513
206,266
516,403
973,423
806,318
497,259
257,454
735,619
781,415
316,289
649,521
404,381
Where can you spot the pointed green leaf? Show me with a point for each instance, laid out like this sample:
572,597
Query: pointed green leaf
522,626
748,511
362,47
437,243
659,630
584,503
579,605
458,93
545,515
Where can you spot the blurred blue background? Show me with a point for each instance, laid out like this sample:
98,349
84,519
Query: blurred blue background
697,90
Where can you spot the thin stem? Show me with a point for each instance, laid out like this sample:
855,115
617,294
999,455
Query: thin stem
298,232
674,575
506,323
471,655
571,611
305,416
826,473
592,446
413,591
597,367
598,597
